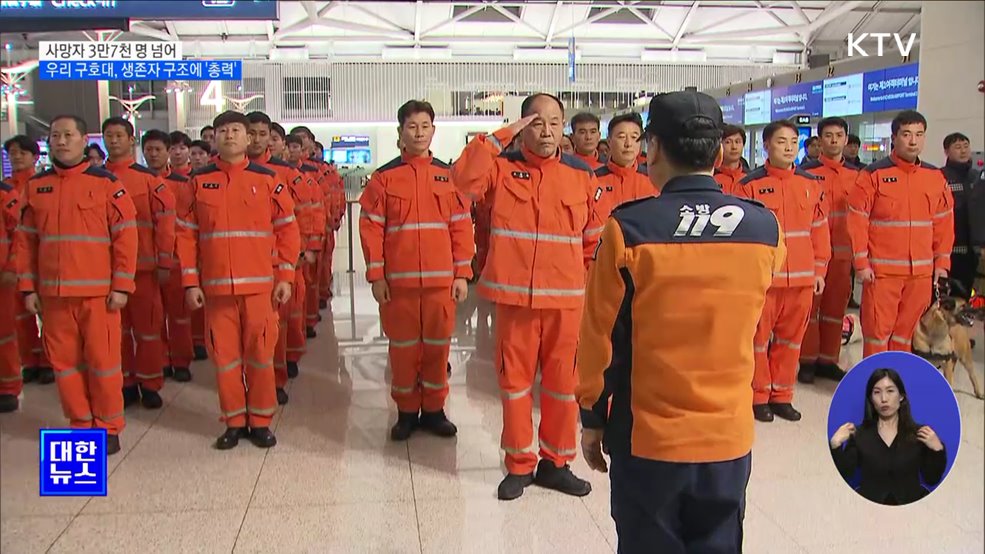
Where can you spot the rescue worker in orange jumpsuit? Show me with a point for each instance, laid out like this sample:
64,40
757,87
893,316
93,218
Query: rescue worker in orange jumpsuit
730,172
821,347
199,154
901,224
24,154
77,255
11,380
544,230
143,318
585,136
208,135
179,153
238,244
622,179
416,234
795,197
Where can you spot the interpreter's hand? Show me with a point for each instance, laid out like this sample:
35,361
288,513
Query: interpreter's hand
591,449
866,275
116,301
521,124
194,298
282,293
163,275
32,303
381,291
8,278
459,290
927,436
940,275
818,286
310,257
843,433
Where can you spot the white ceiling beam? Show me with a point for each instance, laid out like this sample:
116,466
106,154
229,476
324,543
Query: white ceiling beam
778,19
910,24
687,19
651,22
554,14
270,30
830,13
388,22
601,15
311,9
799,10
312,15
450,20
169,25
143,30
509,15
417,21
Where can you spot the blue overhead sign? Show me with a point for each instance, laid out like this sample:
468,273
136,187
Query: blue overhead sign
140,9
798,99
891,89
732,109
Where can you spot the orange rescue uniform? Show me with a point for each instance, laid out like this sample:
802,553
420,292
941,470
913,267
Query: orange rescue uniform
77,242
322,215
901,225
795,197
11,382
179,347
236,237
728,178
591,161
544,228
28,333
618,185
416,233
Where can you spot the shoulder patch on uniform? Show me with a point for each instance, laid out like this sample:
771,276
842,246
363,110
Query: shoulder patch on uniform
142,169
100,172
441,178
274,160
49,171
210,186
438,163
307,167
598,194
211,168
120,193
177,177
801,173
810,164
159,188
278,188
392,164
603,171
514,156
576,163
45,190
753,175
257,168
884,163
521,175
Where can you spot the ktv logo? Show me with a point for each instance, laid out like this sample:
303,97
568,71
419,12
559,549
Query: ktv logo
855,43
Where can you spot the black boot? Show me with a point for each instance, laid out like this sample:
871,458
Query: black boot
561,479
29,374
826,370
168,371
8,403
230,439
182,374
407,423
806,373
131,395
511,487
322,304
785,411
201,353
46,375
150,399
438,424
282,396
762,412
292,370
310,332
112,444
262,437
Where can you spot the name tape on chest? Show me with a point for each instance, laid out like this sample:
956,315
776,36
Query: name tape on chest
889,179
819,177
598,194
12,203
119,194
766,191
297,179
45,190
210,186
521,175
160,188
277,189
441,178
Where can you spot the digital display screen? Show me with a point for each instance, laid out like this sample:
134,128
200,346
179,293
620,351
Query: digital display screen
758,107
843,95
732,109
891,89
799,99
353,156
803,133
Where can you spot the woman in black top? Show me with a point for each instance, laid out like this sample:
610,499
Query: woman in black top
892,451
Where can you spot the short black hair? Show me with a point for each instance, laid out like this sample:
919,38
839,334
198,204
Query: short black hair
177,137
93,146
732,130
854,139
80,123
631,117
528,103
319,146
201,145
230,117
954,137
305,130
24,143
689,153
293,139
811,140
775,126
259,117
584,118
832,122
907,117
206,128
120,122
412,107
158,135
279,129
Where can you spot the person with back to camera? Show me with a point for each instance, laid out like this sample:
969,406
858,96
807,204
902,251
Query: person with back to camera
892,451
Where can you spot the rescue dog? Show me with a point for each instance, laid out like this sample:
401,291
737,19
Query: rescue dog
942,338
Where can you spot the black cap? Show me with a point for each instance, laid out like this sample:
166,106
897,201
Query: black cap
671,111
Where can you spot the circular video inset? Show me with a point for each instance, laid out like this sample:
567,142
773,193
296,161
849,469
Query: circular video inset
894,428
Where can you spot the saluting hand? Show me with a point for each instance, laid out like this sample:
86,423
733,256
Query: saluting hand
927,436
194,298
521,124
282,293
459,290
591,449
843,433
116,301
33,303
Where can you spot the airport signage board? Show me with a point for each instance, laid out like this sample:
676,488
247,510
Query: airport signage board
798,99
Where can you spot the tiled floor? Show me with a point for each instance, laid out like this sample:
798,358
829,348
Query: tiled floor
335,484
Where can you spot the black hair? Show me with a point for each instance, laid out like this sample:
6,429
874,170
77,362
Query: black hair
177,137
832,122
854,139
954,137
278,129
230,117
201,145
319,146
907,117
155,134
631,117
811,140
584,118
732,130
259,117
206,128
22,142
775,126
305,130
80,123
119,121
93,146
906,428
528,103
412,107
689,153
293,139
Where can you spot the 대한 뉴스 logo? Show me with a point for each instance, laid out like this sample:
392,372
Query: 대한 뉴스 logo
855,43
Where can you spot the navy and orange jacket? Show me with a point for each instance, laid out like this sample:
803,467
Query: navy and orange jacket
837,179
10,216
155,204
728,178
184,170
618,185
663,268
20,178
796,198
544,224
591,161
238,233
321,212
415,228
78,234
305,198
901,218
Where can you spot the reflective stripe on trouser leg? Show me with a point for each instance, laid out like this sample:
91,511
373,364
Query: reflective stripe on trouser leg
788,332
558,408
518,340
438,320
260,340
100,331
914,300
880,306
178,345
280,349
63,344
762,380
401,320
146,317
810,347
834,303
296,338
225,339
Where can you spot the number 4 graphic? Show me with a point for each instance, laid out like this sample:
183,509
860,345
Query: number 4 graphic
725,220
